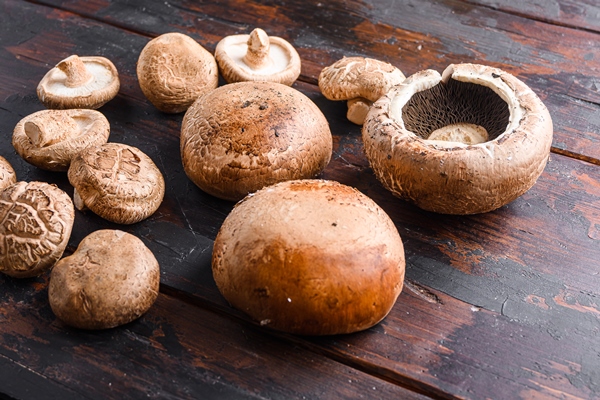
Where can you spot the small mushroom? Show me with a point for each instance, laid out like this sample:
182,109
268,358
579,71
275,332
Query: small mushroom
111,279
117,182
173,70
7,174
257,57
360,81
79,82
246,135
464,142
37,219
49,139
309,257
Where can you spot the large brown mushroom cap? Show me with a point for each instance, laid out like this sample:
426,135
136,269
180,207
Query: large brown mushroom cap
360,81
310,257
449,176
49,139
117,182
173,70
37,219
247,135
7,174
79,82
111,279
257,57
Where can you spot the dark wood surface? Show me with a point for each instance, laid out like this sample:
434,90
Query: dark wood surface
498,305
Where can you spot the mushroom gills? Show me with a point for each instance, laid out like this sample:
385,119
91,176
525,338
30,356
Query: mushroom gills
456,112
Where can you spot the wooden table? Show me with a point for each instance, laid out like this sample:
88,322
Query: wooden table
502,305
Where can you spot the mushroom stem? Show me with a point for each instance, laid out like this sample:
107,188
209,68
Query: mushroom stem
358,109
44,131
257,55
78,201
76,71
461,132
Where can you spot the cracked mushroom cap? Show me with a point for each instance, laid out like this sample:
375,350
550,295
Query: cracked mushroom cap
257,57
79,82
7,174
111,279
49,139
360,81
37,219
173,70
468,141
310,257
247,135
117,182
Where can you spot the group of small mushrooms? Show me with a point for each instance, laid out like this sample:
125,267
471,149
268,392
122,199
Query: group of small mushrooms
297,254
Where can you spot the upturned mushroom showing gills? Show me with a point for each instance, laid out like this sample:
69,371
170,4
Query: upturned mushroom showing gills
117,182
247,135
36,223
257,57
7,174
310,257
468,141
79,82
173,70
49,139
111,279
360,81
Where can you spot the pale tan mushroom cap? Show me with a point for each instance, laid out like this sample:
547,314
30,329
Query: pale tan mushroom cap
310,257
247,135
353,77
7,174
173,70
37,219
101,86
453,177
111,279
281,62
49,139
117,182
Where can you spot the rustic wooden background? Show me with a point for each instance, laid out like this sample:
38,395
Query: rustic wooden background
499,305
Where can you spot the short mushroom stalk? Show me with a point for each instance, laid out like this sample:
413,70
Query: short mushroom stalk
45,131
257,56
76,71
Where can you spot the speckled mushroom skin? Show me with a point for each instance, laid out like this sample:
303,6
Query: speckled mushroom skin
37,219
247,135
173,70
71,130
459,179
111,279
310,257
7,174
118,182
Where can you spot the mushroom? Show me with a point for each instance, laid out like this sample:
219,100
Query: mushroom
246,135
37,219
257,57
111,279
309,257
499,136
360,81
79,82
117,182
7,174
49,139
173,70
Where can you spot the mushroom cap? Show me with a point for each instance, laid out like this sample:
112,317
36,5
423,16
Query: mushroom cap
103,85
7,173
111,279
454,177
173,70
310,257
49,139
247,135
353,77
37,219
117,182
282,63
